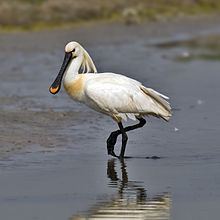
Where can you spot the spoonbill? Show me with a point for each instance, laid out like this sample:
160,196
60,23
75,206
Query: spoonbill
112,94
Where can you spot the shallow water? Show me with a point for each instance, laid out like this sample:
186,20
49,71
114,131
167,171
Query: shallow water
53,152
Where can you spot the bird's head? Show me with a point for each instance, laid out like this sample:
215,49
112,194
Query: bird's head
73,50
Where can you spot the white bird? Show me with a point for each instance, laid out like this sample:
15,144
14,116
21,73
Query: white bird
112,94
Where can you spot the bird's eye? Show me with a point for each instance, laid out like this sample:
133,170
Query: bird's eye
73,50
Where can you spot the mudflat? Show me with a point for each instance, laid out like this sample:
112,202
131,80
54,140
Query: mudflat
53,157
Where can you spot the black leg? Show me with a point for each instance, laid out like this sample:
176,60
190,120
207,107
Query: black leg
111,141
124,140
141,123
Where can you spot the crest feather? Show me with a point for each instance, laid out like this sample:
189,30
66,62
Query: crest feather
88,65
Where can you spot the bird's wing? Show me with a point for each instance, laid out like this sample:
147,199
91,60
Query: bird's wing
111,97
161,107
116,94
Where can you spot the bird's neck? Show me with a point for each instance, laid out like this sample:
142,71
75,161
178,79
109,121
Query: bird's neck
73,69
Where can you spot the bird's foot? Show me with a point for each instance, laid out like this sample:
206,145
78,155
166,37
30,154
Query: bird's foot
120,157
111,152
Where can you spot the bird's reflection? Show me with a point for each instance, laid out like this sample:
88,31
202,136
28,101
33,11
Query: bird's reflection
126,189
130,200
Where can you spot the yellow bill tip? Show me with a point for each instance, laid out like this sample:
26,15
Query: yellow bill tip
54,90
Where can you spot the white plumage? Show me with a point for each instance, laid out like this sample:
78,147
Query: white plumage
112,94
120,97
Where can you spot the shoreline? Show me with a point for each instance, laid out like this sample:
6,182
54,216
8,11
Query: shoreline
132,17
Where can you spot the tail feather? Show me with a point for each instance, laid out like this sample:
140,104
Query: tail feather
164,106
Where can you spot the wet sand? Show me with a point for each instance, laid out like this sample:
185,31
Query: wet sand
53,154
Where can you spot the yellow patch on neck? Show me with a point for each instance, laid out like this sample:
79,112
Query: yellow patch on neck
75,87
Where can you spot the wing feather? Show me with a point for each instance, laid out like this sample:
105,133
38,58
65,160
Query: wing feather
115,94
